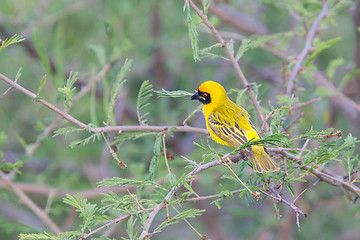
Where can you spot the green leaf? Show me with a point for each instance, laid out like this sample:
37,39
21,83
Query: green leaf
130,228
144,95
205,5
230,46
173,94
87,210
191,213
274,139
42,83
324,92
241,171
119,82
125,182
93,112
193,34
68,89
13,40
18,74
123,136
8,167
171,179
348,77
70,235
66,131
37,236
155,159
190,189
332,67
94,137
291,188
321,46
245,45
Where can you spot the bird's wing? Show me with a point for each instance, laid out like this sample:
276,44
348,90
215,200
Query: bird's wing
227,131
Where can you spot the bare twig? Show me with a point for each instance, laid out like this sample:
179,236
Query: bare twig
306,49
293,122
305,104
137,202
266,119
280,199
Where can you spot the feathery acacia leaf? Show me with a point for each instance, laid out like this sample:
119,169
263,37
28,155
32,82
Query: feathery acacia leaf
37,236
9,41
173,94
87,210
131,136
125,182
245,45
68,89
155,159
193,34
118,84
94,137
191,213
66,131
144,95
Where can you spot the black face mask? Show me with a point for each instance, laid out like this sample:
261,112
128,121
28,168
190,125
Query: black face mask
203,97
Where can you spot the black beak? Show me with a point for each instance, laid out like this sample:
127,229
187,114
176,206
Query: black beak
195,96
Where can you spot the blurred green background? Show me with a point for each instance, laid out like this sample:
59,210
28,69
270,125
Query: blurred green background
84,36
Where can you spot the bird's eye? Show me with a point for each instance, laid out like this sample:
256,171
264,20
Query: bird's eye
205,95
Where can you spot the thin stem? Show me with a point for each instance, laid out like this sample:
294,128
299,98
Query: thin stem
165,155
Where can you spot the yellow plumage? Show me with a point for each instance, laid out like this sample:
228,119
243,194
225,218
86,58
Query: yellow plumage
229,124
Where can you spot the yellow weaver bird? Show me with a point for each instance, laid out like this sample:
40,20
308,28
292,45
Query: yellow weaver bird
229,124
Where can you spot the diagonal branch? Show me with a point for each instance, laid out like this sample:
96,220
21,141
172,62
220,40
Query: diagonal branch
308,45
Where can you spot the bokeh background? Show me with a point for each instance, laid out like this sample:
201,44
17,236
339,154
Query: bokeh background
84,36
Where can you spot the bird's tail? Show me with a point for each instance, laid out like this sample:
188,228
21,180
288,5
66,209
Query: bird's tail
262,162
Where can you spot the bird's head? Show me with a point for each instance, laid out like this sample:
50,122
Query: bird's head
210,92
